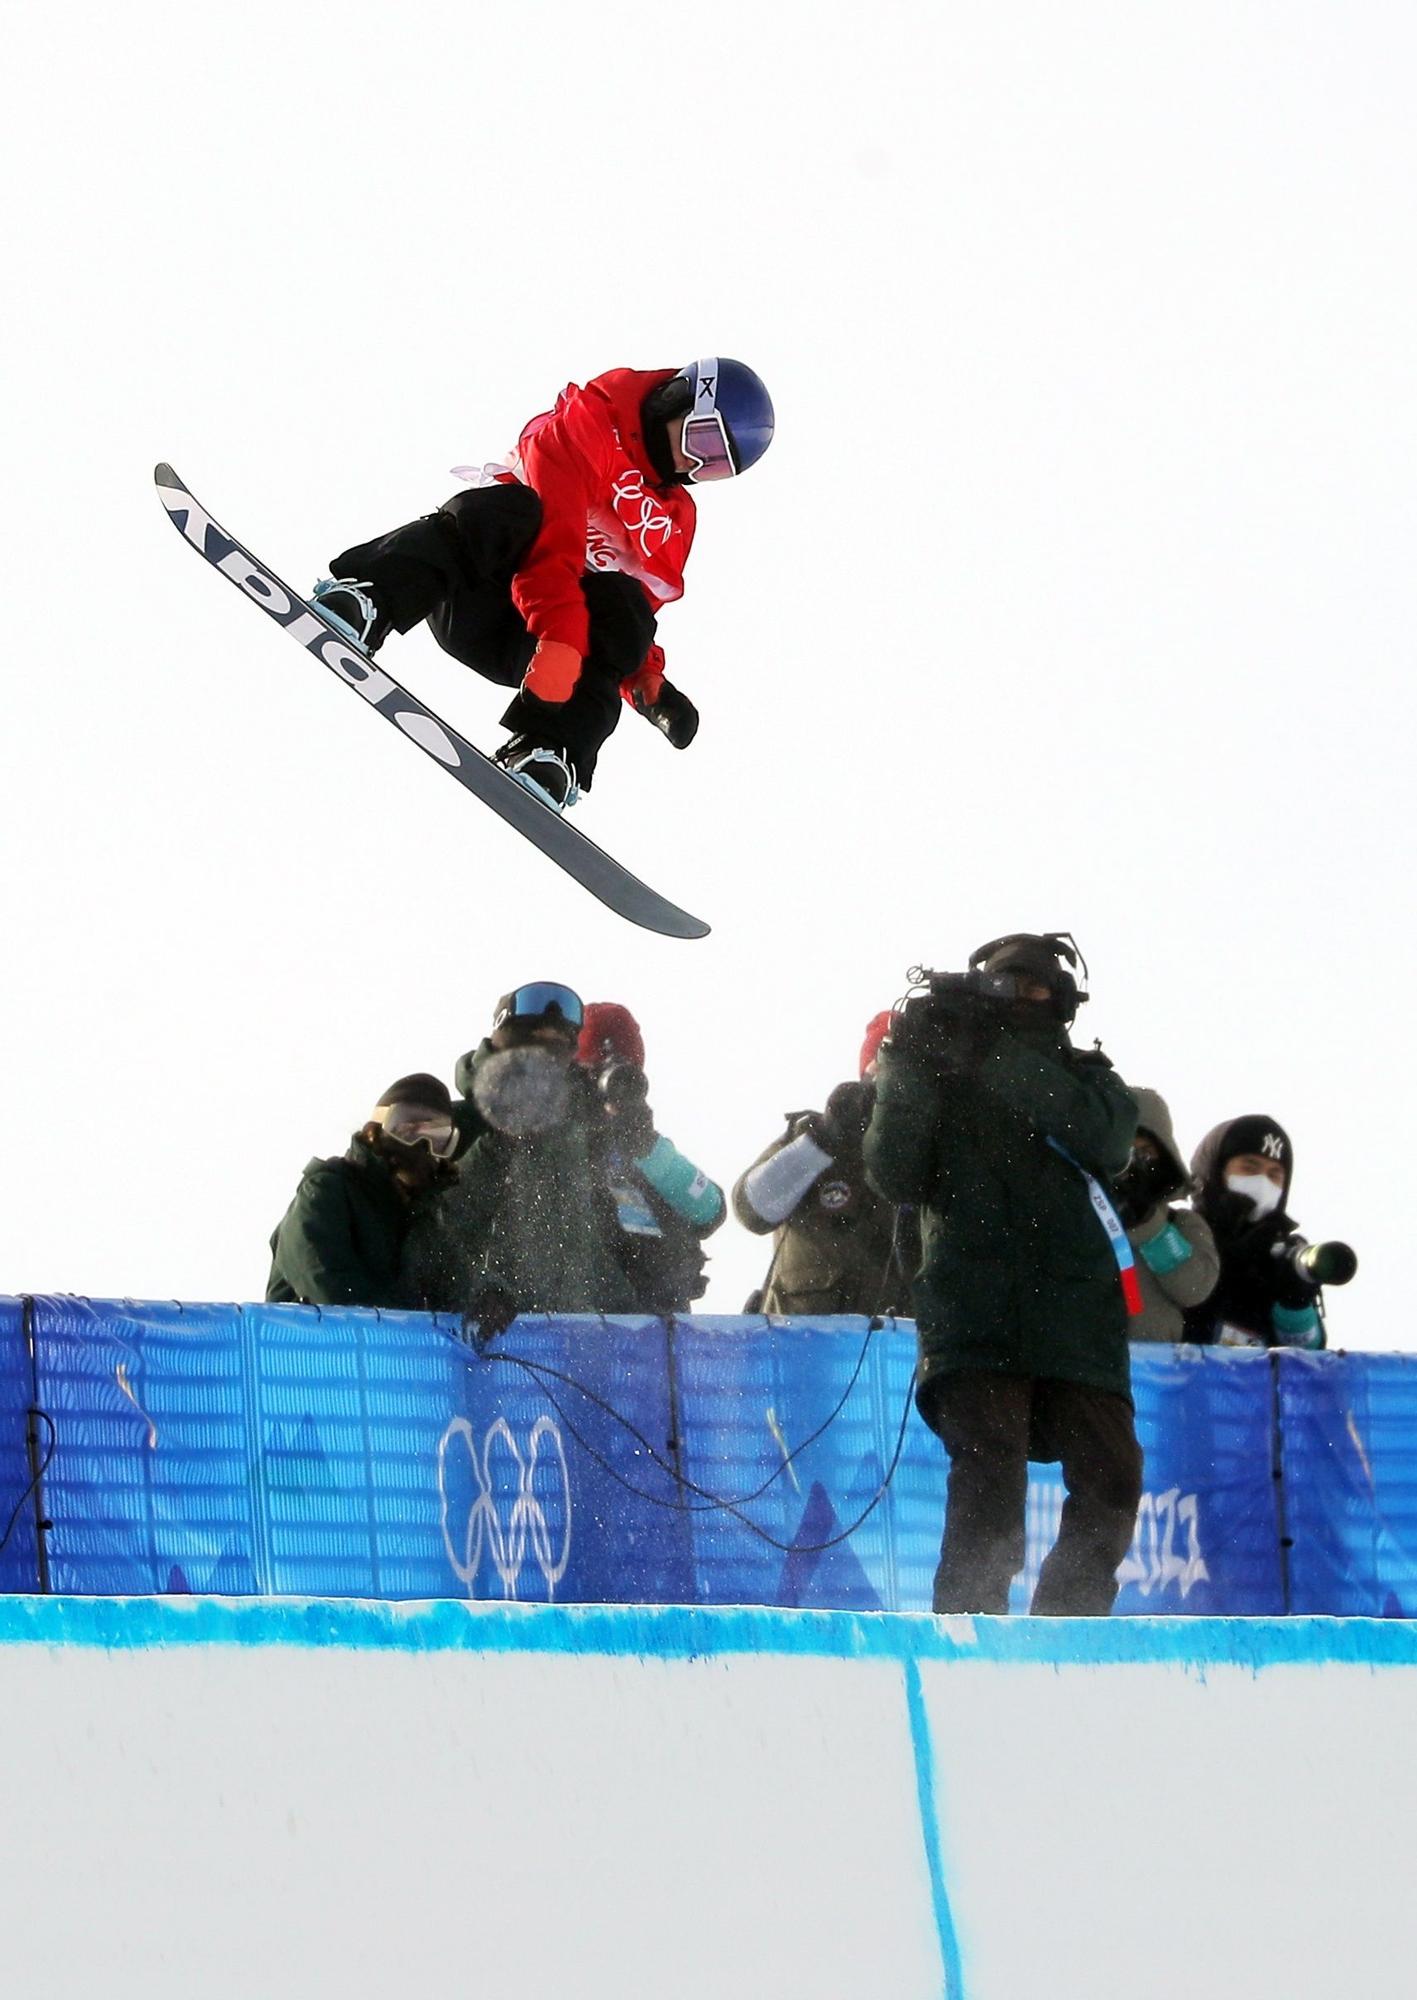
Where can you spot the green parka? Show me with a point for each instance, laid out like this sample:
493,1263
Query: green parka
1017,1274
533,1212
340,1243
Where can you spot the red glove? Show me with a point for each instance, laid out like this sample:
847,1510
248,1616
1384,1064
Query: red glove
555,668
642,688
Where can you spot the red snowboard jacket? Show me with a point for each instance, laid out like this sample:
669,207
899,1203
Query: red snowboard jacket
602,505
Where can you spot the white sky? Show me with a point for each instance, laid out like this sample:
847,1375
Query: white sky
1076,591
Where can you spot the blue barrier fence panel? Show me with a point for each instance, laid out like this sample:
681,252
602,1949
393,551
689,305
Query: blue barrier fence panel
791,1426
751,1393
346,1408
1206,1540
1207,1535
151,1486
551,1469
19,1558
1349,1429
295,1450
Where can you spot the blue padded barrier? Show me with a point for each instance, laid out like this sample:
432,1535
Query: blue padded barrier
1207,1537
292,1450
289,1450
1348,1425
19,1558
152,1487
751,1392
1207,1533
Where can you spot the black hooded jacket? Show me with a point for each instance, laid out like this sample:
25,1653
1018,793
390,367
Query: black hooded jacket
1257,1300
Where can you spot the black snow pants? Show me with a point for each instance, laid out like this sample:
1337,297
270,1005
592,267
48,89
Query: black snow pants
991,1426
455,569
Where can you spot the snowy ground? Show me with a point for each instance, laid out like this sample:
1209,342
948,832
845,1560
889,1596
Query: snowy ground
285,1799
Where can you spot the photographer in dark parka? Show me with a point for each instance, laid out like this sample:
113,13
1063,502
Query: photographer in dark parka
342,1240
1270,1290
1005,1135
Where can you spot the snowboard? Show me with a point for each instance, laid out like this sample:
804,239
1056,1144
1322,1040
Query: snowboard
569,848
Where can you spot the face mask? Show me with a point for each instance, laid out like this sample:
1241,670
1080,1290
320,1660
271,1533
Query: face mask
1261,1193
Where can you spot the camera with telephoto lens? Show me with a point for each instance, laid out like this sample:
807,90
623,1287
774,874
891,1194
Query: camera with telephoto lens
624,1097
1317,1264
623,1085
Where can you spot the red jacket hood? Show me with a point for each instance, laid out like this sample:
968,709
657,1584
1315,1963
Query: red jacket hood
624,390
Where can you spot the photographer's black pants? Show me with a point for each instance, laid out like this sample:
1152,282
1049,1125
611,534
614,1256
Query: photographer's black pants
991,1426
455,569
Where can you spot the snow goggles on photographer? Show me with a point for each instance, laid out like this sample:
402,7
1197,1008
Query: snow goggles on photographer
415,1125
543,1001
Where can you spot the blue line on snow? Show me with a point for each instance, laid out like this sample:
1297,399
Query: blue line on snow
953,1988
712,1632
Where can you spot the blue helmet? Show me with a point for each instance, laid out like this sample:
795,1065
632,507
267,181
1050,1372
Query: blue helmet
728,423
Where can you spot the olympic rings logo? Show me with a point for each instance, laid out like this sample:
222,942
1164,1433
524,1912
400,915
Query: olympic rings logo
527,1526
654,527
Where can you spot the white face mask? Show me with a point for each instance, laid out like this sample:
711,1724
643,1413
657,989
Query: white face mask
1262,1193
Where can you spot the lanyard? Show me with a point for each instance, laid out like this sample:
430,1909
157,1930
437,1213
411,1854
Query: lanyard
1116,1232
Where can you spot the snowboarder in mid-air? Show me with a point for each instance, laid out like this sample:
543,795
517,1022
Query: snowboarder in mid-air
547,574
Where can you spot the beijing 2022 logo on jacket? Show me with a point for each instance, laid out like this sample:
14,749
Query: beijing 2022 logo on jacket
505,1502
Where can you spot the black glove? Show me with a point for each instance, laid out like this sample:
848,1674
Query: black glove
1251,1252
674,715
947,1034
624,1090
1293,1289
847,1115
817,1129
490,1310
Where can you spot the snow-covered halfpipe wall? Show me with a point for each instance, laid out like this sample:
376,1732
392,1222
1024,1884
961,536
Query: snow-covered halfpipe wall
268,1799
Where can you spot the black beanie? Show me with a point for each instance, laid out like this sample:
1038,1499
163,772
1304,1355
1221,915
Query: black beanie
1257,1134
419,1089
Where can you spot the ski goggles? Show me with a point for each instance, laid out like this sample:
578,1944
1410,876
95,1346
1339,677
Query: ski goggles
707,445
416,1124
543,998
705,440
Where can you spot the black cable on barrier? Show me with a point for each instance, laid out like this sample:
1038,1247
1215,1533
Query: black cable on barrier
718,1499
44,1417
713,1501
724,1499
